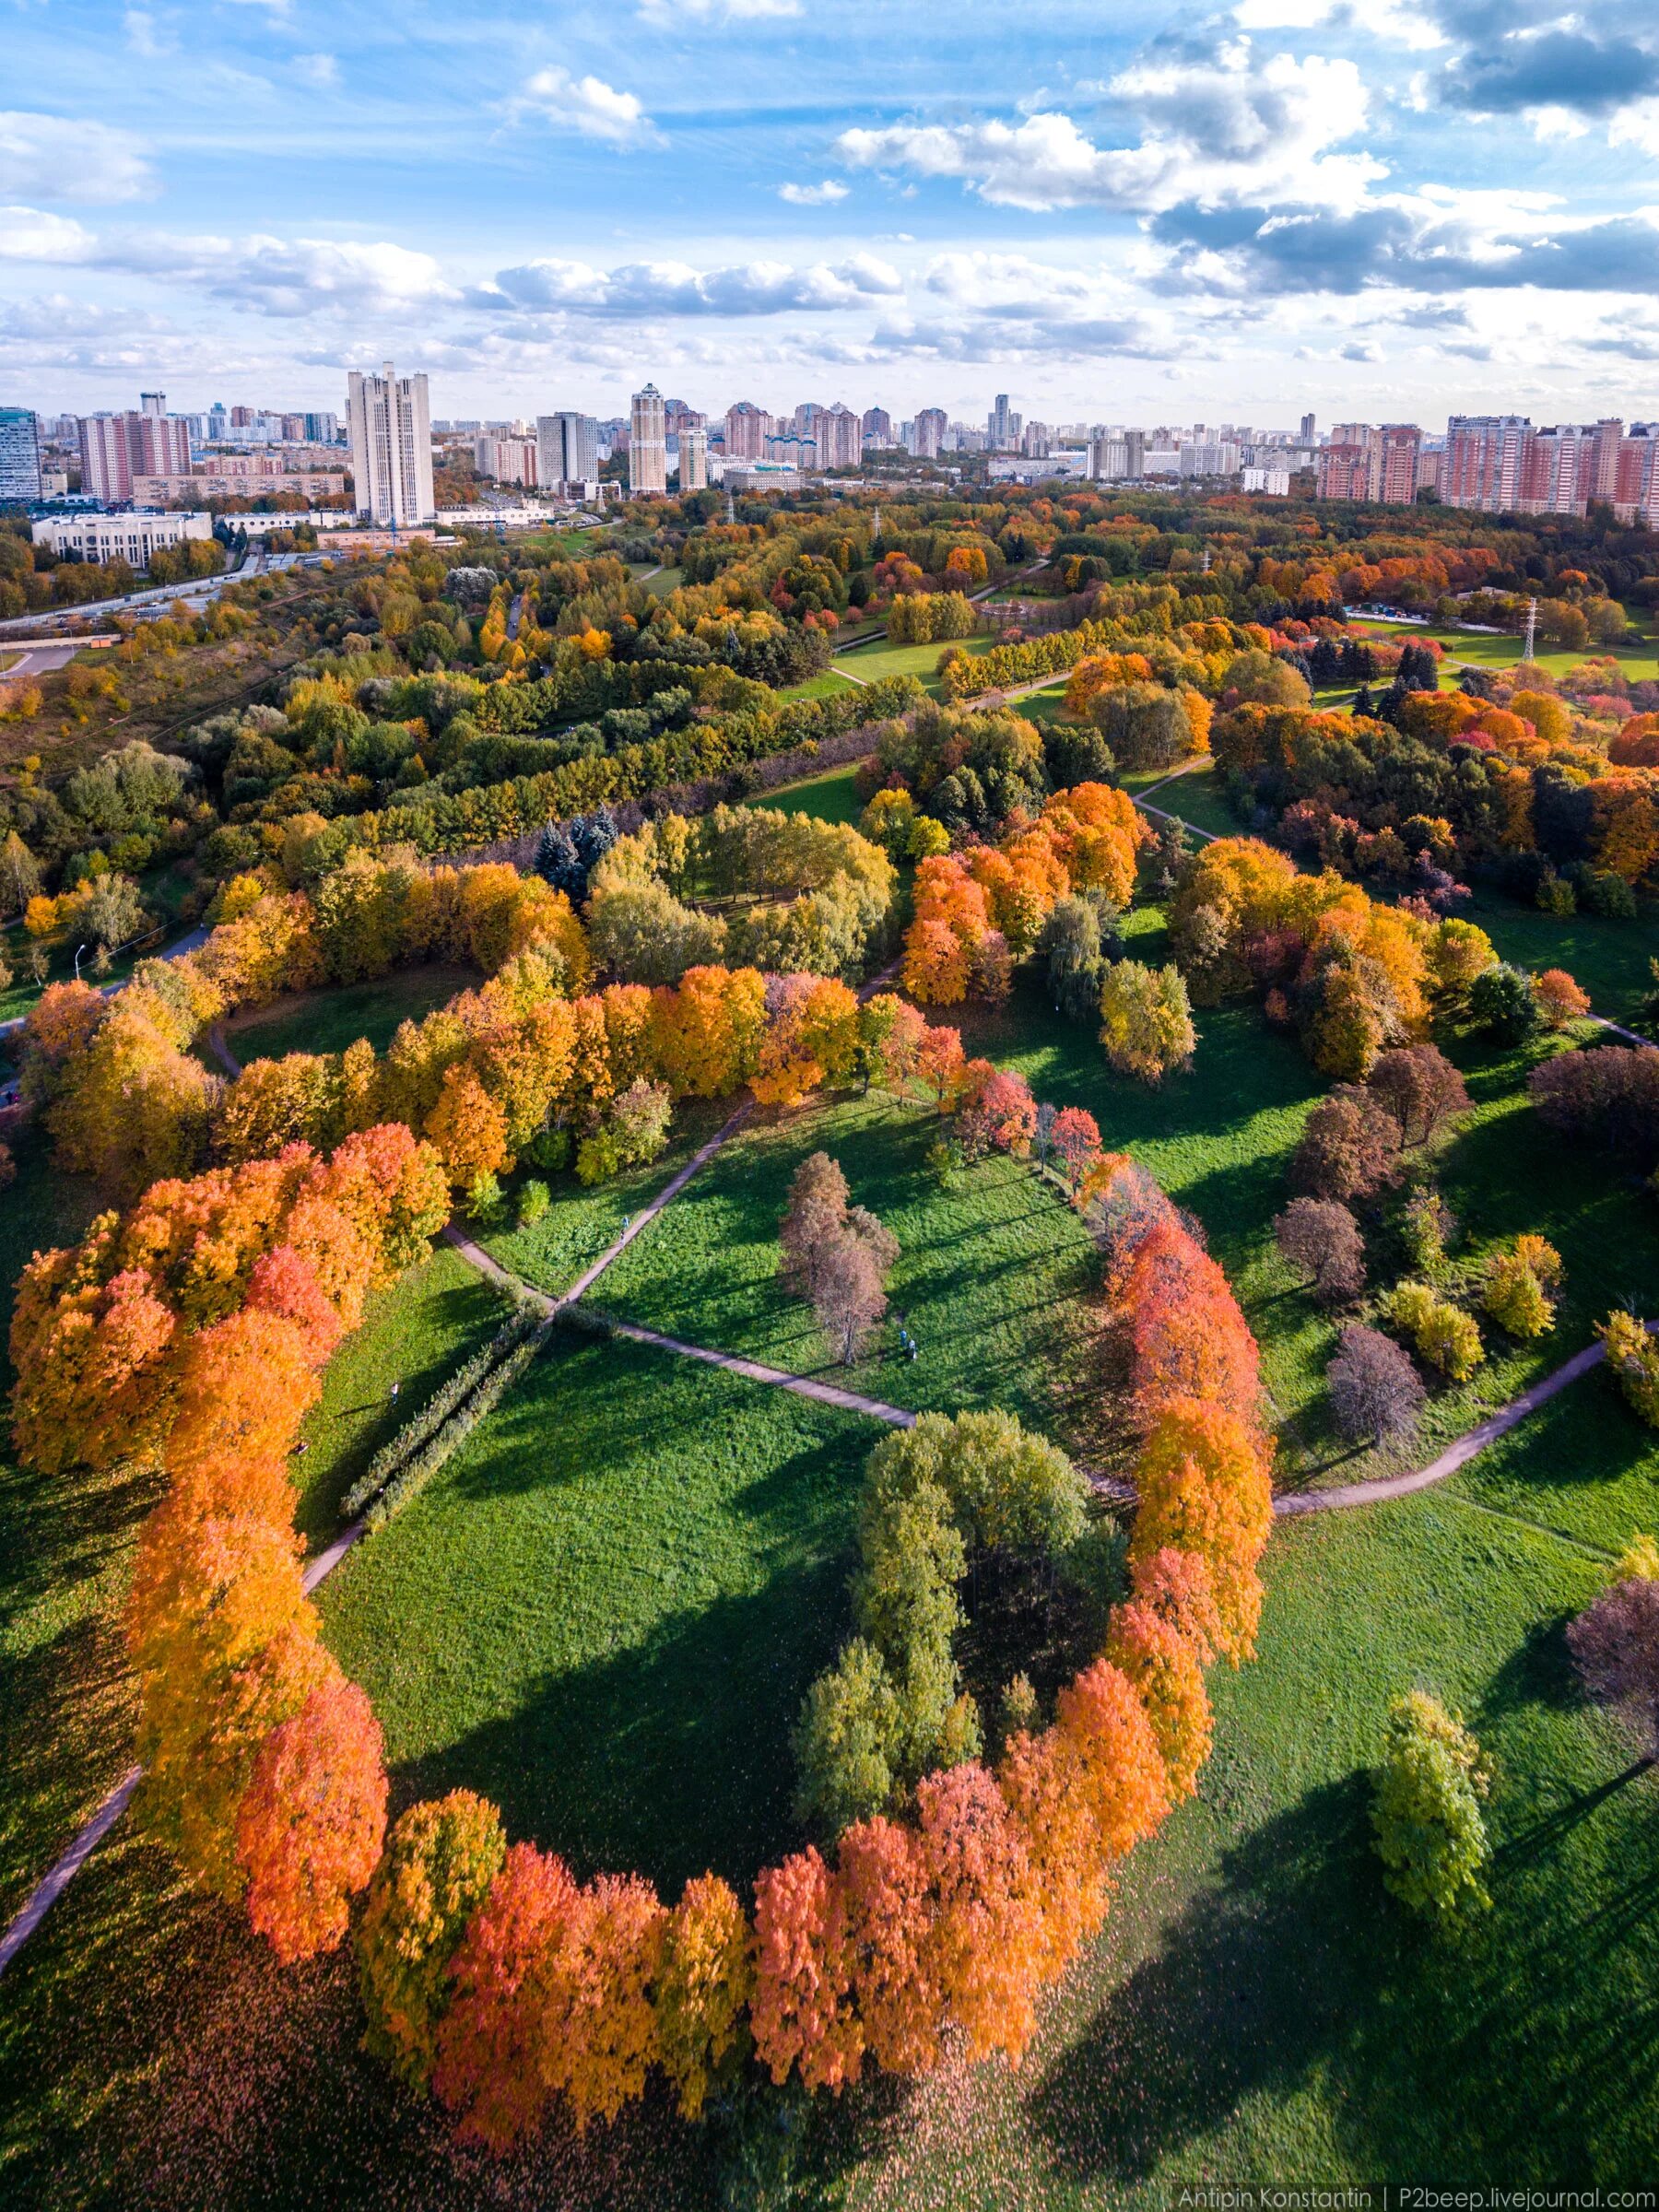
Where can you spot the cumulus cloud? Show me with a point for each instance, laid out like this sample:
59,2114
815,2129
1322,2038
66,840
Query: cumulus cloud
674,288
1391,20
28,234
1562,69
586,104
1225,129
61,157
813,195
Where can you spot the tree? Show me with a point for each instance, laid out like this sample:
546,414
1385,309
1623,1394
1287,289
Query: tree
848,1741
1075,945
1443,1334
488,2070
1202,1487
1321,1240
1146,1021
1104,1722
1615,1645
1350,1147
113,913
817,1208
1165,1672
802,2013
848,1296
1609,1097
1074,1141
882,1879
310,1828
983,1949
1262,678
468,1127
1145,725
1421,1088
1560,1000
597,2030
1375,1390
704,1980
1501,1000
441,1859
1426,1811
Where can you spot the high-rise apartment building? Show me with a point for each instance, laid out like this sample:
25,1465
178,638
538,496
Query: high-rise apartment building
840,436
567,449
1310,429
391,446
507,460
1481,466
693,457
931,426
748,428
877,428
647,444
106,465
1398,463
19,457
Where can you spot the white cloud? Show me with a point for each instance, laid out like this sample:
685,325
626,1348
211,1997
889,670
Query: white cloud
319,69
813,195
142,35
28,234
675,288
1637,125
1222,132
55,157
586,104
1391,19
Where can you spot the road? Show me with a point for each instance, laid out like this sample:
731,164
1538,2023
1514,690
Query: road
189,943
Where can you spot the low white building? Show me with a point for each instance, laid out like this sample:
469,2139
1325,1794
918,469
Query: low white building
96,536
1275,483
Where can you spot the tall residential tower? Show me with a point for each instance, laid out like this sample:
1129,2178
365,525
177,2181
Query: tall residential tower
391,447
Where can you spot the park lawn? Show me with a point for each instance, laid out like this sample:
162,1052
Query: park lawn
584,1221
829,683
1198,795
327,1022
1256,2005
1609,959
605,1612
414,1334
832,797
1637,664
874,662
665,582
989,1278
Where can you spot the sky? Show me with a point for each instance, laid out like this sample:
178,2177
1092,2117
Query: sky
1383,211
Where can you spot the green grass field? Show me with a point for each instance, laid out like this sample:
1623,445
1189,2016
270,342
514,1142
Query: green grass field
1639,663
874,662
832,797
327,1022
987,1280
1196,795
831,684
605,1612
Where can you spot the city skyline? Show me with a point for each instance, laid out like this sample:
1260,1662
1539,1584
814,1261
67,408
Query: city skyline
1241,212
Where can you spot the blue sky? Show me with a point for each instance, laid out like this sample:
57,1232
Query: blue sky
1387,210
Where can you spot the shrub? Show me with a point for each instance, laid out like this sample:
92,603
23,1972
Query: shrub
1146,1021
1375,1390
1518,1284
1442,1334
1615,1644
1350,1147
1321,1240
1427,1226
486,1202
632,1131
1502,1001
534,1200
1633,1359
1426,1811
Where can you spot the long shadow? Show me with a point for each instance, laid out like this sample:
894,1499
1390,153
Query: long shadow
1247,1991
670,1757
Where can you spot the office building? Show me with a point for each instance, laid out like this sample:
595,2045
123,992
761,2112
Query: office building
647,444
129,537
19,457
391,447
567,449
1309,431
693,457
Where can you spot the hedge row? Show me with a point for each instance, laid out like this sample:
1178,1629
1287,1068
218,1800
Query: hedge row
530,1329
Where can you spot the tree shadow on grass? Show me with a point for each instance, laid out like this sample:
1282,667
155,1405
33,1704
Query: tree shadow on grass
670,1757
1246,1993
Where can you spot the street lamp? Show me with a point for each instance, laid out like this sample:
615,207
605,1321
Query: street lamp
79,951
